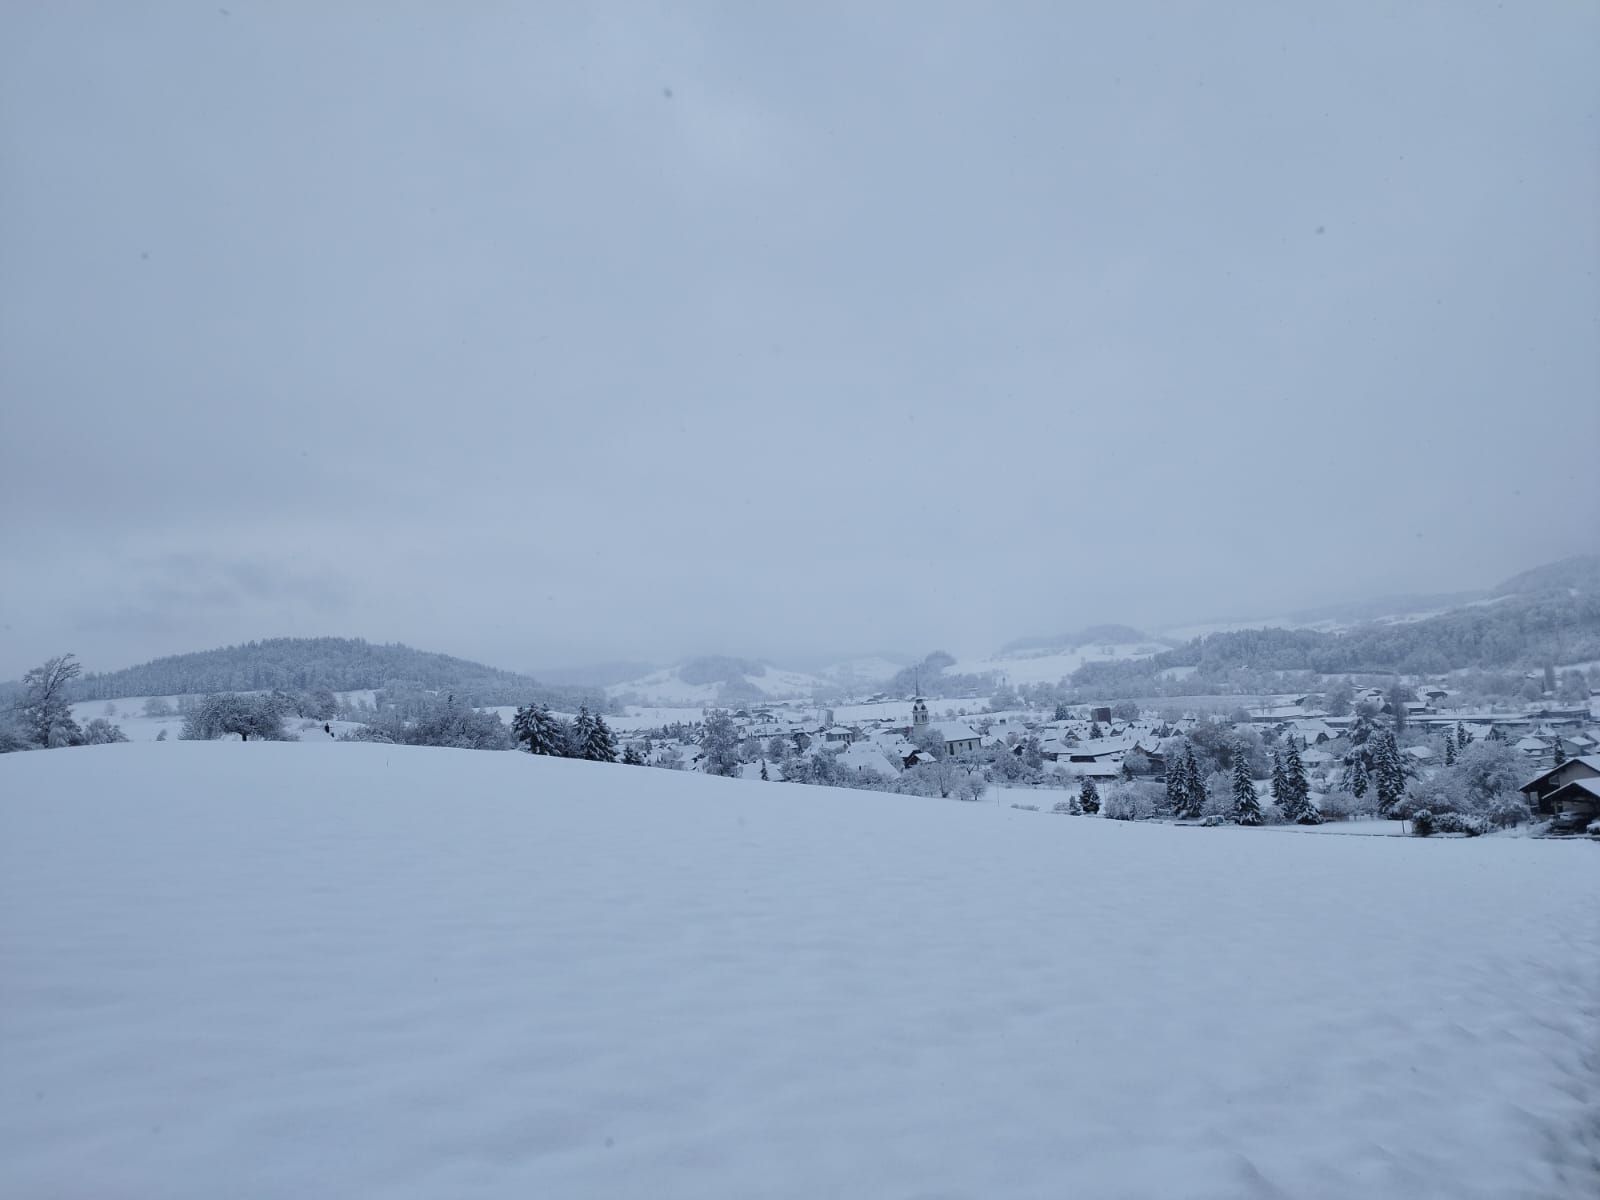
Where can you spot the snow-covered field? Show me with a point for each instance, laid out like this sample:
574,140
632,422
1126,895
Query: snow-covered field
340,970
128,715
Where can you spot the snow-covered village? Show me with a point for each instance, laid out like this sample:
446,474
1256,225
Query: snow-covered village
867,601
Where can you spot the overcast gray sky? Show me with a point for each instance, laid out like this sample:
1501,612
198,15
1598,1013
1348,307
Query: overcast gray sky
547,333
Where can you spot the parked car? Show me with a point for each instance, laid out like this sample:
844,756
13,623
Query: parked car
1570,822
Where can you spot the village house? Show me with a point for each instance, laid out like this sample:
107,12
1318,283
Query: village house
1540,790
958,737
1575,804
1316,760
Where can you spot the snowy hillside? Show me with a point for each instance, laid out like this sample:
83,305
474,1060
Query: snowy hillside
336,970
1021,667
714,681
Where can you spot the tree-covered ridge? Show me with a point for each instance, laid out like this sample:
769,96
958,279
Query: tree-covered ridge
1580,573
1093,635
1517,632
334,664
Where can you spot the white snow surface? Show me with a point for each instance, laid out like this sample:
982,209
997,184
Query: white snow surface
341,970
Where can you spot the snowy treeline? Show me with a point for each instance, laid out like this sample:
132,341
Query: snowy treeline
1517,632
933,671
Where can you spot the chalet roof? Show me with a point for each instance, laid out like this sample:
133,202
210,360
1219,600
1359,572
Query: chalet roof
863,754
954,731
1592,761
1577,787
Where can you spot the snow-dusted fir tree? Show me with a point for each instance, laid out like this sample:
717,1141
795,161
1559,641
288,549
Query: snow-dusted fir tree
1463,737
1246,806
1356,779
1278,792
539,730
1388,772
1089,796
592,738
601,743
1181,785
1195,782
719,744
632,756
579,732
1449,749
1361,729
1177,784
764,776
1560,753
1295,801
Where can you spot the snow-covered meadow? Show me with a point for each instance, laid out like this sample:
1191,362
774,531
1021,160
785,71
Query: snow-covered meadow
335,970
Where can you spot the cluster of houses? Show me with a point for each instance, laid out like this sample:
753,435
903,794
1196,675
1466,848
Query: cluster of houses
1561,746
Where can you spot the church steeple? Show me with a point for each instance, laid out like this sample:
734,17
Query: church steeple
919,707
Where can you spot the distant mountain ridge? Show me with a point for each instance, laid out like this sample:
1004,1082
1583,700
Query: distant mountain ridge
336,664
1579,573
1093,635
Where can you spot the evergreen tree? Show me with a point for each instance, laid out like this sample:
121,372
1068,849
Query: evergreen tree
1495,735
1195,782
1463,738
595,741
579,737
631,756
1177,784
1279,791
1358,779
1449,749
1062,712
1388,771
1296,802
1560,753
1095,730
1246,807
1361,729
764,776
1089,796
539,730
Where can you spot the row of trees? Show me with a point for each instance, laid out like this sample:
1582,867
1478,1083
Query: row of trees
587,736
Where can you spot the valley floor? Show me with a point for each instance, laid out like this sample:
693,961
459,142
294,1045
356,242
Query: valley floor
340,970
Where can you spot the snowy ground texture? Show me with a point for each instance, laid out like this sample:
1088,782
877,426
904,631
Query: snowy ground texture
336,970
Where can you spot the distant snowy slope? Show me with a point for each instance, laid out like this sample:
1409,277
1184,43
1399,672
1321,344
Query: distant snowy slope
1020,667
718,680
337,970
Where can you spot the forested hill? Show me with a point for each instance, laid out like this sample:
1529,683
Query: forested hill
1580,573
337,664
1518,632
